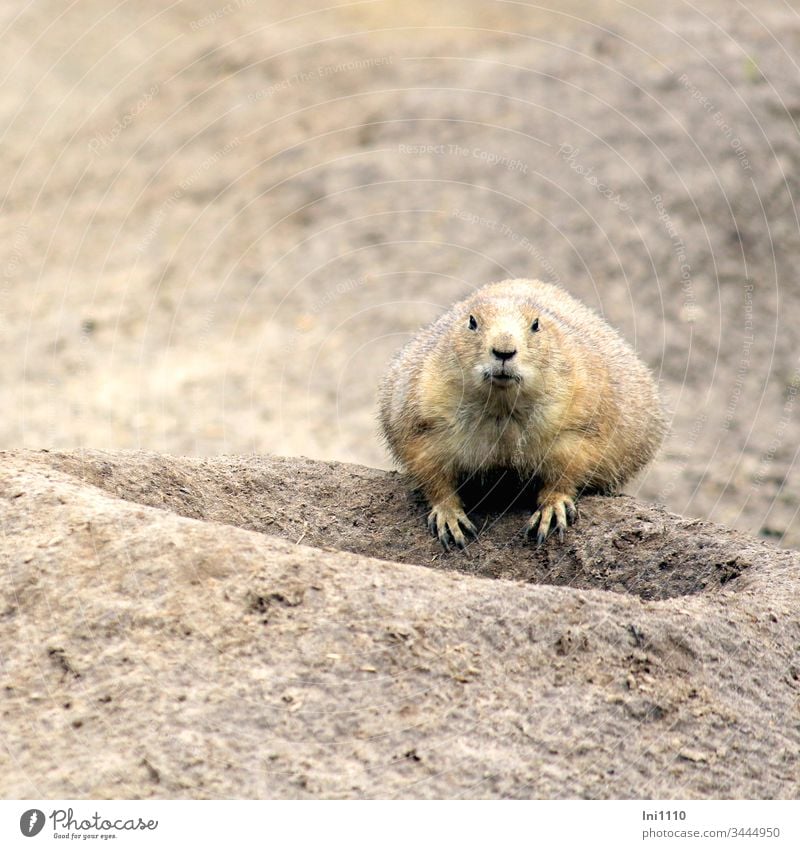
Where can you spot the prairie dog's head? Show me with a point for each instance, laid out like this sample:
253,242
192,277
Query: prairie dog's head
501,345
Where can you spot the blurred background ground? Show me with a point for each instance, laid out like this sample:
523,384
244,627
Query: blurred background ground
219,220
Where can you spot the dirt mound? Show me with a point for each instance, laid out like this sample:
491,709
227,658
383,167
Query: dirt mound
188,628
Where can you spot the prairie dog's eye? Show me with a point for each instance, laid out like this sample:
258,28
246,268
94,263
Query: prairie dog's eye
473,323
535,325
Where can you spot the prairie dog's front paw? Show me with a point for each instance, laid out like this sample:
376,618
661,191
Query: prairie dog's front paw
446,522
555,508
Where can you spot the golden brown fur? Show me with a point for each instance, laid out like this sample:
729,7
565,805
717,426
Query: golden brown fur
519,376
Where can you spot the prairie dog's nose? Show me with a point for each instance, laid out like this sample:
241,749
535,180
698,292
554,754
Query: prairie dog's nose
504,354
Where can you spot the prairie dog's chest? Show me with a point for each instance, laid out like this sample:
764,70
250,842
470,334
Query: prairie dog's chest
486,441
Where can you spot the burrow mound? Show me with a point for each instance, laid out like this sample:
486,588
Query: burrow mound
150,655
619,543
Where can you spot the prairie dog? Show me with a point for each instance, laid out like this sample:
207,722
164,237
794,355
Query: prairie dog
519,376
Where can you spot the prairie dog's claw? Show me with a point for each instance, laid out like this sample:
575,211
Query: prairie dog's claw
450,523
557,506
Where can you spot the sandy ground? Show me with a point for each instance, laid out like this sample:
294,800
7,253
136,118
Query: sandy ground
220,220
